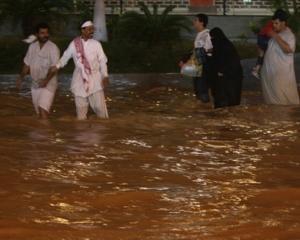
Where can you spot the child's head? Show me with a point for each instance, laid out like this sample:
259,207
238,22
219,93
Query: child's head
200,22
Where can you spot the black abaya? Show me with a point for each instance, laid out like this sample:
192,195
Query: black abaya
227,86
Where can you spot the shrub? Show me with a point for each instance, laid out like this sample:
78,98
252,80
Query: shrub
151,27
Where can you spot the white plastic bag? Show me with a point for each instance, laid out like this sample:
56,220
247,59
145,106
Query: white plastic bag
190,69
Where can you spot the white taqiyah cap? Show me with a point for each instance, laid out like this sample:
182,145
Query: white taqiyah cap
87,24
32,38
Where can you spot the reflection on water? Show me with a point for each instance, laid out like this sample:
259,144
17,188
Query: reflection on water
164,167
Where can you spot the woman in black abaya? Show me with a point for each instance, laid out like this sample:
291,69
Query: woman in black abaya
227,85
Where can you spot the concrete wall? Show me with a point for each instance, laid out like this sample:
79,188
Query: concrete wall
233,26
9,29
215,7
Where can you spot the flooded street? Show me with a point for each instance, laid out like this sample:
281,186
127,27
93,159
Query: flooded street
163,167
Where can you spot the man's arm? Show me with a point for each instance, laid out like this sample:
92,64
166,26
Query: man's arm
54,58
66,56
60,64
103,66
283,44
24,72
26,67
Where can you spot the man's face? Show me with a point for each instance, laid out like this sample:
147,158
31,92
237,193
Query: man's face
198,25
278,26
43,35
87,32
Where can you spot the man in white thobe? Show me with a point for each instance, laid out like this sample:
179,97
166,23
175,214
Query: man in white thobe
42,54
90,75
278,75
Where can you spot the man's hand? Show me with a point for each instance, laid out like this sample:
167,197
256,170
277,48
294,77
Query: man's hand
25,71
19,83
286,48
51,73
43,83
105,82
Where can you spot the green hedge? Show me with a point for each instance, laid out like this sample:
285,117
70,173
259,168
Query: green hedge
11,53
124,57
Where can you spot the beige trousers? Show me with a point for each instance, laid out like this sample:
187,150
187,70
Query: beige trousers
97,103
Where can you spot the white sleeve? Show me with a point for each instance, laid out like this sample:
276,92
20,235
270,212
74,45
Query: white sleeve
291,41
66,56
54,56
103,61
27,59
208,45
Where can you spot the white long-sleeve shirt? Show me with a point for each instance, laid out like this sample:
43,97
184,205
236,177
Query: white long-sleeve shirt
98,62
203,40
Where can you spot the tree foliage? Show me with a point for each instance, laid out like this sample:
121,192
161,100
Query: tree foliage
151,26
28,12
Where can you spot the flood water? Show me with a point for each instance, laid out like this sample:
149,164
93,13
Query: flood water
163,167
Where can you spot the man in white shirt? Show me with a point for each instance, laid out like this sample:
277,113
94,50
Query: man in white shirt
42,54
203,43
90,75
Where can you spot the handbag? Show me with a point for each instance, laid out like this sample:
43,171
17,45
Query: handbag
192,68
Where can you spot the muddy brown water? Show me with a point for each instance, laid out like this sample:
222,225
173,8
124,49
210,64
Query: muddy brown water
163,167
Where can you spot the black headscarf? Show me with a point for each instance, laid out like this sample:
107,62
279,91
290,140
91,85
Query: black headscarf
218,38
224,53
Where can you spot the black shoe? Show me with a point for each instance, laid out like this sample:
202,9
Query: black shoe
220,105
